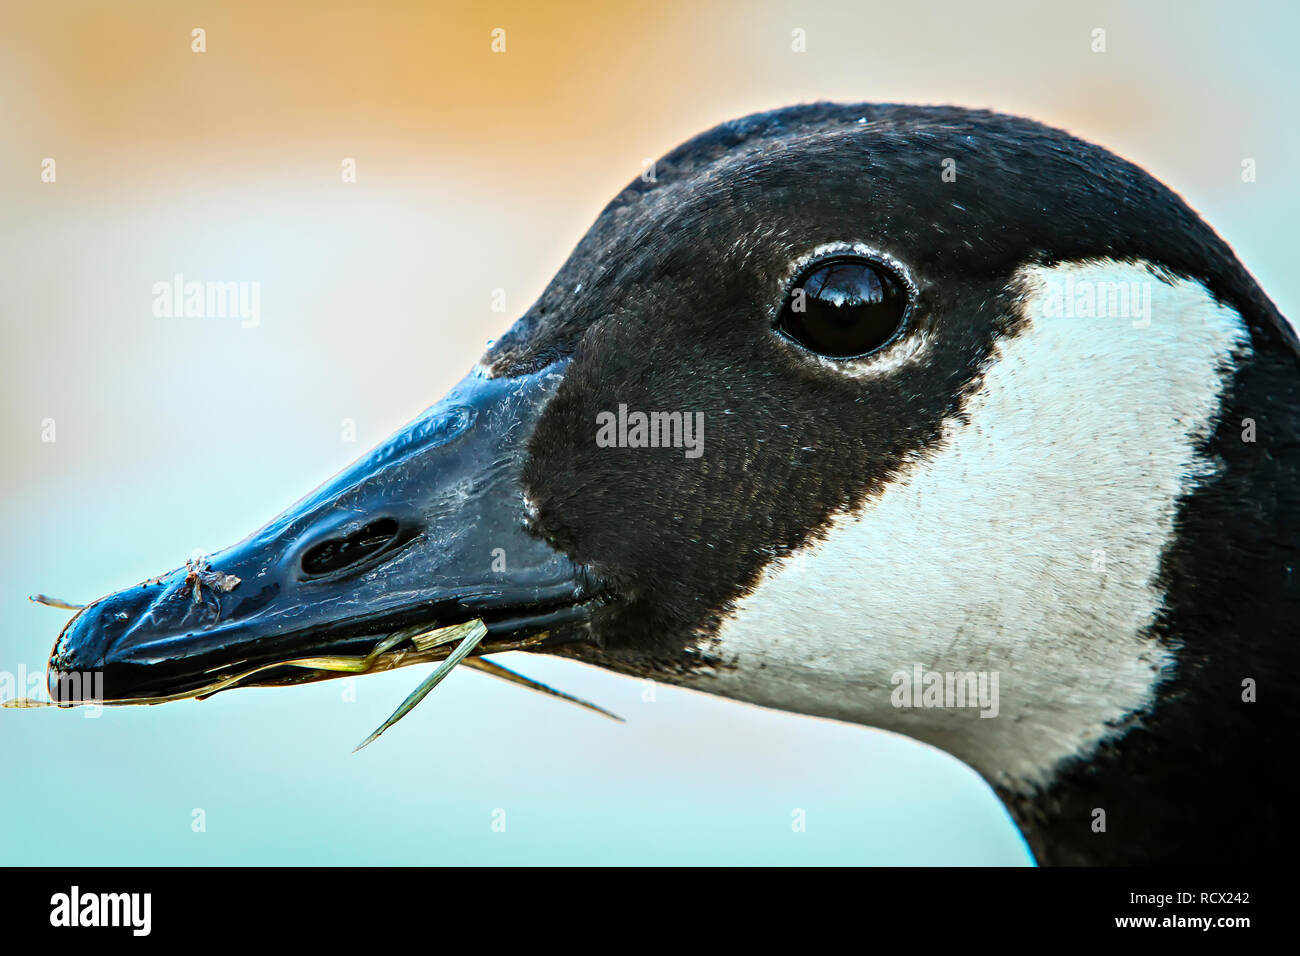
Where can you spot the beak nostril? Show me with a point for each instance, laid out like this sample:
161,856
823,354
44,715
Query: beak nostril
338,554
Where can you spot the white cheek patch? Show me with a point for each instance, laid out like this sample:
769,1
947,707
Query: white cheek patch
1026,543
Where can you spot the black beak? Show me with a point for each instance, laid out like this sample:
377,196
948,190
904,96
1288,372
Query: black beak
429,529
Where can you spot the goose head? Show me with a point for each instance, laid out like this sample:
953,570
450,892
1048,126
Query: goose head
841,410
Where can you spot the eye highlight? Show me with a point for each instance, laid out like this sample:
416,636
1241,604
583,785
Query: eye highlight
846,307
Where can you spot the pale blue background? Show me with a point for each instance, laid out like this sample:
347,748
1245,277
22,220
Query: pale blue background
175,435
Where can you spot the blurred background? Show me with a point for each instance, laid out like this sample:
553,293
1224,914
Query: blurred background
475,171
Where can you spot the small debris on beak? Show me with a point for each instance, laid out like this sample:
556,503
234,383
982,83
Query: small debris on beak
199,572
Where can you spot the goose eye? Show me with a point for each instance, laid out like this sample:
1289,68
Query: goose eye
844,309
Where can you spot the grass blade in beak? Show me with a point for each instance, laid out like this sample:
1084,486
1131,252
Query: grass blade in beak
514,677
54,602
339,664
476,631
425,639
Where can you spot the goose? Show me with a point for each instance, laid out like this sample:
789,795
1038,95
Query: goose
930,419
